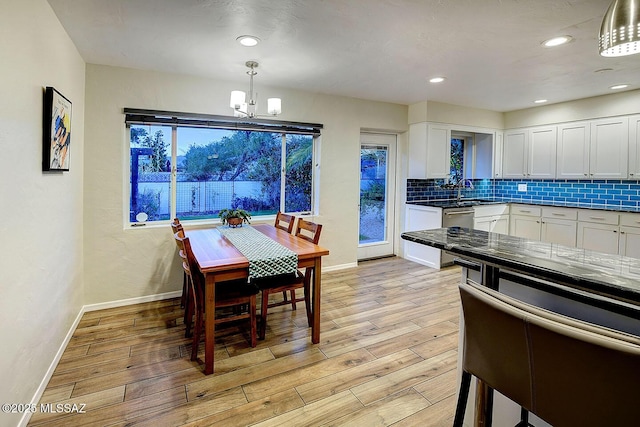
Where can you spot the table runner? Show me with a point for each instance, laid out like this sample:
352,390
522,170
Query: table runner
266,256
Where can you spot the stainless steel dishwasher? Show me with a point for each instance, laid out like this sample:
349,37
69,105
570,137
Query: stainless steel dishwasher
455,217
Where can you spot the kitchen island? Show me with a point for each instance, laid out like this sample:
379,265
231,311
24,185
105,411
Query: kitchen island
599,288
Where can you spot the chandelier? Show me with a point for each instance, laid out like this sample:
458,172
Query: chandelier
620,30
242,108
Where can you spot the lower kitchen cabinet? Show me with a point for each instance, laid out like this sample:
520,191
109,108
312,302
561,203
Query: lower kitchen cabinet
598,237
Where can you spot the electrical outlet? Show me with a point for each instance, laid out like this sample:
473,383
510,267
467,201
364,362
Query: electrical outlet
522,187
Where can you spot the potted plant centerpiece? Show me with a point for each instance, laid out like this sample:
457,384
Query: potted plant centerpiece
234,217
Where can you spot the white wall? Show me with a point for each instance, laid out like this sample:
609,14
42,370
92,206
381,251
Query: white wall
41,263
126,263
589,108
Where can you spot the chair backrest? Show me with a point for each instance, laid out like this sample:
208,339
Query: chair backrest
175,225
308,230
285,222
579,373
495,345
190,265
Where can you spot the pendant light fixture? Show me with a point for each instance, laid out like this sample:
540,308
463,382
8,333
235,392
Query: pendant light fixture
242,107
620,30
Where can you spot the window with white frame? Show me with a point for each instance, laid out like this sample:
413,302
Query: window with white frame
192,167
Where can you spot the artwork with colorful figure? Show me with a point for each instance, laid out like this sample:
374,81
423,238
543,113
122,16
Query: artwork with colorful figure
60,130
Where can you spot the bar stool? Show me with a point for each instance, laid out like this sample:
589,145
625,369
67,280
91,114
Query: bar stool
567,372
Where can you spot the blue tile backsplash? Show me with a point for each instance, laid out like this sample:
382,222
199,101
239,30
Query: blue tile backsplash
596,192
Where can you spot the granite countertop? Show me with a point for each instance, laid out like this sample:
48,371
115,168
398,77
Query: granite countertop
614,276
448,203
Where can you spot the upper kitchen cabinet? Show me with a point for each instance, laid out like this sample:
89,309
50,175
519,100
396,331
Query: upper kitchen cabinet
530,153
593,150
497,155
634,147
429,151
573,150
609,148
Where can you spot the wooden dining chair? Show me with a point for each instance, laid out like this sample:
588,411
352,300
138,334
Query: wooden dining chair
285,222
237,294
566,371
176,227
306,230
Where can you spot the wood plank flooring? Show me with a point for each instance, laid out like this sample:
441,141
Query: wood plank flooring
387,357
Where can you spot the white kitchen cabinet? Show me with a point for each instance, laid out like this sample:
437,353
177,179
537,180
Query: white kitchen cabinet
417,151
524,221
498,146
560,231
559,225
514,157
573,150
541,161
493,218
609,149
598,237
429,150
530,153
422,218
629,243
598,230
634,147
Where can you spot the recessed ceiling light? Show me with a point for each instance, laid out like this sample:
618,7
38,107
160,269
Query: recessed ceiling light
557,41
540,101
616,87
248,40
436,80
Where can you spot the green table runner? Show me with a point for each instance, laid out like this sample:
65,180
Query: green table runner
266,256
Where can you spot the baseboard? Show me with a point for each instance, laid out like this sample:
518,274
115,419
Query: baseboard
87,308
131,301
339,267
52,367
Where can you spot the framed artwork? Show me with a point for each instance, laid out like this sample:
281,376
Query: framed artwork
56,131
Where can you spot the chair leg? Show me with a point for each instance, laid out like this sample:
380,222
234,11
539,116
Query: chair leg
197,328
465,384
183,299
293,299
524,419
307,303
188,313
252,319
488,416
284,296
263,314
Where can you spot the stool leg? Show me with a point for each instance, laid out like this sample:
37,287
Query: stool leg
488,417
462,399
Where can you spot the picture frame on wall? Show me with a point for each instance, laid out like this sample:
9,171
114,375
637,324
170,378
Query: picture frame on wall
56,142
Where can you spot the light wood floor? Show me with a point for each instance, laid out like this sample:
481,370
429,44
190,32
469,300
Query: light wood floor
387,356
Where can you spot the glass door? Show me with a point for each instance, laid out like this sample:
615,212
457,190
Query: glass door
377,195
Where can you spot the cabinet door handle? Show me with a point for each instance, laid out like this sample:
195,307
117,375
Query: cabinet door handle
622,232
615,231
597,218
557,214
630,174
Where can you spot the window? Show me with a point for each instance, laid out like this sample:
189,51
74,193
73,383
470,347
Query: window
193,170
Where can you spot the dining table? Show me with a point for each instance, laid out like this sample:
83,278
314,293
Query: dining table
219,260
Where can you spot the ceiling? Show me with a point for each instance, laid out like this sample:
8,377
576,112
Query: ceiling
384,50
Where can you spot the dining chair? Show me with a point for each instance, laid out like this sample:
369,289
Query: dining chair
566,371
236,294
285,222
306,230
176,227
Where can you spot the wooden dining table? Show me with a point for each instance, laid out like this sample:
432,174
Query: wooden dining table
219,260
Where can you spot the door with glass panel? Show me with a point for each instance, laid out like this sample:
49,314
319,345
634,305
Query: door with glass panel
377,195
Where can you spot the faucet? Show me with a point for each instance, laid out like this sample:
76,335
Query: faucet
462,184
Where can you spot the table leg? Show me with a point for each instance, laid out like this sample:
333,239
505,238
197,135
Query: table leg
209,322
315,328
